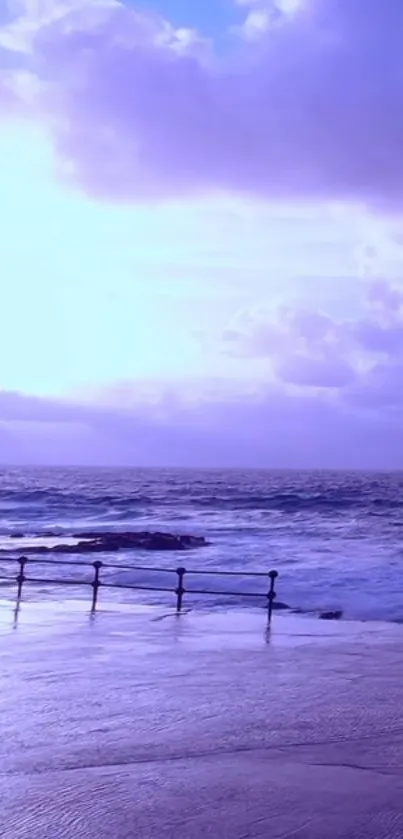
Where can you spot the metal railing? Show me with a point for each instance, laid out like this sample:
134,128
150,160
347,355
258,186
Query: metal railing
98,581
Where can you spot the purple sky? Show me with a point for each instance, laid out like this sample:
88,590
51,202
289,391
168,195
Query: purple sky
201,237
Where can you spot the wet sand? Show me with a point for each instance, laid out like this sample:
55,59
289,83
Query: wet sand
139,724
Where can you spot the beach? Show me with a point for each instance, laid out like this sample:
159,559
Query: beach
134,722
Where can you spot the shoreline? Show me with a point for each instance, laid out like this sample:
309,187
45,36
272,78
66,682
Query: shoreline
228,624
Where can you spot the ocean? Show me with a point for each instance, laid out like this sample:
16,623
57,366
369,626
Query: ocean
334,537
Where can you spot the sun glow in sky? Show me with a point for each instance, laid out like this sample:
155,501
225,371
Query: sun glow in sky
201,236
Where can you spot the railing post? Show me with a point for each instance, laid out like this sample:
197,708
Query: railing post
180,591
21,575
95,584
271,596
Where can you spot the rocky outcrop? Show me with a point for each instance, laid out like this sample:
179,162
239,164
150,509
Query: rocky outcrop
278,606
111,542
331,616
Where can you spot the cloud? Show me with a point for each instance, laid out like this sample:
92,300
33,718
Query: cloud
377,338
382,294
139,109
10,99
308,348
19,407
378,390
306,371
264,15
271,428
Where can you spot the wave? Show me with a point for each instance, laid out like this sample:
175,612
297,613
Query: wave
18,498
287,502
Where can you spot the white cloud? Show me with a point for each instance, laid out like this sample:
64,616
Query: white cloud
262,15
32,17
257,22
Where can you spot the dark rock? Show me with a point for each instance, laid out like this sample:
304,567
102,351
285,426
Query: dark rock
143,539
98,542
278,606
53,534
331,616
60,549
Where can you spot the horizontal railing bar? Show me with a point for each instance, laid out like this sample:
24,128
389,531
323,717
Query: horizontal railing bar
36,561
189,571
104,566
58,582
81,563
78,564
227,593
136,588
228,573
44,580
138,568
147,568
